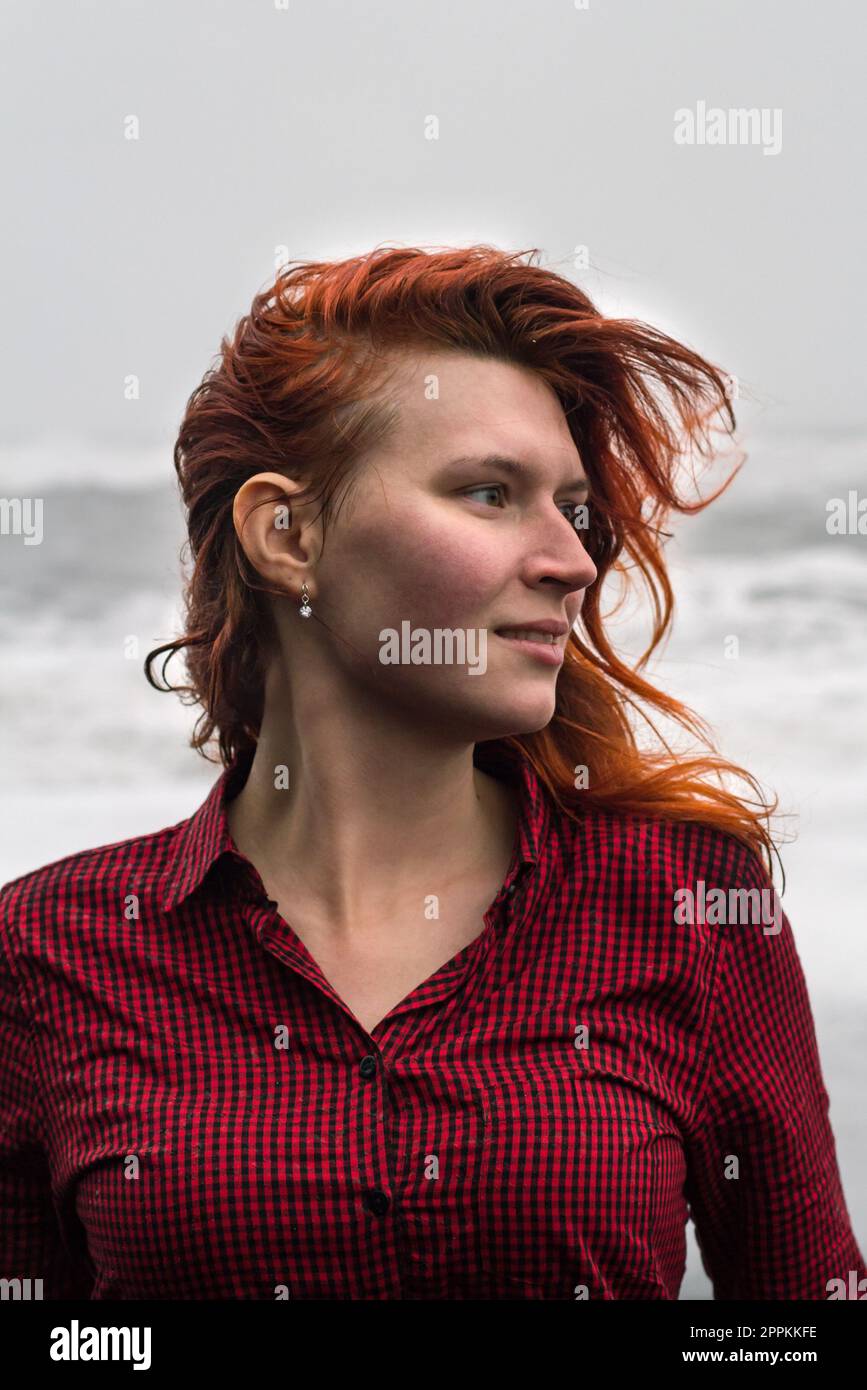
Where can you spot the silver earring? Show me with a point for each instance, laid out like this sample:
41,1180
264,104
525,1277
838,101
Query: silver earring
305,609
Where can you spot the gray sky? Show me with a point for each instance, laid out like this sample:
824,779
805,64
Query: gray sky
305,127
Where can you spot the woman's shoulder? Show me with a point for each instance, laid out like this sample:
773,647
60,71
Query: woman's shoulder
664,851
667,873
85,885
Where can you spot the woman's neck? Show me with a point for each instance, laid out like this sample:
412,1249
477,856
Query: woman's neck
358,832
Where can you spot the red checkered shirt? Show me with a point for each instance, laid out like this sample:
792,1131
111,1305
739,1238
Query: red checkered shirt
188,1110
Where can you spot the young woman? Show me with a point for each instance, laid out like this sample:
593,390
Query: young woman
456,985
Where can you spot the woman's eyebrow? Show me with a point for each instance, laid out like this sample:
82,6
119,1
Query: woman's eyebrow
507,464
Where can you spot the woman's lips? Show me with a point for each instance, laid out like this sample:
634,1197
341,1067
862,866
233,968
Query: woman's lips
540,646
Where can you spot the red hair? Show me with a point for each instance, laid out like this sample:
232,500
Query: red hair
298,390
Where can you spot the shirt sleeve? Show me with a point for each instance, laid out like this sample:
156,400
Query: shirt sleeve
31,1242
763,1183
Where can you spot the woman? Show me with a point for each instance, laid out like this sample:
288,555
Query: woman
454,986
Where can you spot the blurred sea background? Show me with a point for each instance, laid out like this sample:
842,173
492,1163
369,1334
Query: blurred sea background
92,754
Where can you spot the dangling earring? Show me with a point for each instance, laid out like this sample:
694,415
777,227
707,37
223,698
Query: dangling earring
305,609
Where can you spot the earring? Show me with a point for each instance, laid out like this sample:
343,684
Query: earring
305,609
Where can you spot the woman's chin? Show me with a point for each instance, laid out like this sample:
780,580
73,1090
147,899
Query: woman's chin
513,717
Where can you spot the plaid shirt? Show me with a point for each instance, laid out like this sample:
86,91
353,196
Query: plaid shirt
189,1111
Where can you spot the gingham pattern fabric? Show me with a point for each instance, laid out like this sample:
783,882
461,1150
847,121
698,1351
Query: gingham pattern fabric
189,1111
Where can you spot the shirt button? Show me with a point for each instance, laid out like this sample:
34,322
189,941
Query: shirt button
376,1201
367,1066
512,888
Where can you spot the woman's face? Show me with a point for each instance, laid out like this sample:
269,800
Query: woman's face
430,541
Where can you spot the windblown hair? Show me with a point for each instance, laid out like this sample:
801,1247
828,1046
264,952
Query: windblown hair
299,390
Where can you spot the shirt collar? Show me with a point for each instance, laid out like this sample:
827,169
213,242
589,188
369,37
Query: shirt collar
535,806
203,838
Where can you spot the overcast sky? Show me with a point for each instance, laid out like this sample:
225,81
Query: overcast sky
305,126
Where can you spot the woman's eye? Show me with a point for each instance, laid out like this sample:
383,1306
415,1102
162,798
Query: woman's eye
569,509
486,487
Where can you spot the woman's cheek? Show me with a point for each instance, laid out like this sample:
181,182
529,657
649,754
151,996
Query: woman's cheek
460,587
439,573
